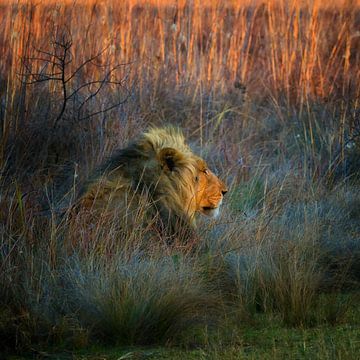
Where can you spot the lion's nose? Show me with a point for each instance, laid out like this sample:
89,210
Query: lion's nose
224,191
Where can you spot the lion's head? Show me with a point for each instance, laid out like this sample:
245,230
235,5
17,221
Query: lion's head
177,183
209,193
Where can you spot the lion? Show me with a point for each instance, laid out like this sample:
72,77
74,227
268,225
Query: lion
159,172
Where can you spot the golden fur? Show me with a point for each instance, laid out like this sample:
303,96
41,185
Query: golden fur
160,172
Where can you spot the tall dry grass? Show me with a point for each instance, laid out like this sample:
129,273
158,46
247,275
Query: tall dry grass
296,50
290,54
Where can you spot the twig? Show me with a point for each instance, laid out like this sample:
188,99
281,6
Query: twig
59,59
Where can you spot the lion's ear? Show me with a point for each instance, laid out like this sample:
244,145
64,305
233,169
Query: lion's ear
169,158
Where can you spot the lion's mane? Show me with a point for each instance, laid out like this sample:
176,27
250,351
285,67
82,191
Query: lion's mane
158,166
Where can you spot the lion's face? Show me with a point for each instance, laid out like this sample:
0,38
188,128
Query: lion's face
203,192
209,192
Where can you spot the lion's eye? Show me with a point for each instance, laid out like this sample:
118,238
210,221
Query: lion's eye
196,178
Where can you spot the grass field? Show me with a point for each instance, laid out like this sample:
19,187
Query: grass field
263,339
268,92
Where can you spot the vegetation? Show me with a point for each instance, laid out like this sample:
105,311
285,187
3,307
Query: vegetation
268,92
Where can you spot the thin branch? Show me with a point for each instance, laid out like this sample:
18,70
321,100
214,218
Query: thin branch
105,110
121,83
64,89
85,63
37,81
102,83
59,59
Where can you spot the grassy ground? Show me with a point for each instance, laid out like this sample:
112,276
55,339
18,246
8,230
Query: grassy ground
265,338
268,93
